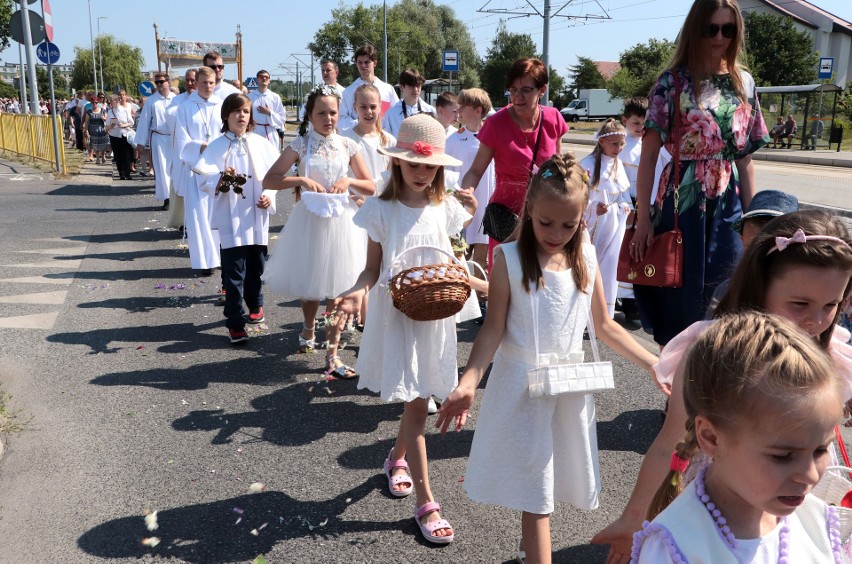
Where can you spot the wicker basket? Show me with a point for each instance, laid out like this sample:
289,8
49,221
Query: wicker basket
429,292
832,488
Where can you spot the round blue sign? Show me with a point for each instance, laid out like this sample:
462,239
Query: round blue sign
146,88
47,53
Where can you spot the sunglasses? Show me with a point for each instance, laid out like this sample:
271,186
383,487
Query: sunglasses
160,81
216,67
710,31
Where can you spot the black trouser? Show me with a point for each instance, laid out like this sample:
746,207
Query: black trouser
78,130
123,153
242,268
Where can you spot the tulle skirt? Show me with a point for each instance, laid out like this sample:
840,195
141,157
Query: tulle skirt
316,258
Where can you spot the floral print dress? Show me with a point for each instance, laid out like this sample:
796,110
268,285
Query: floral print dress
716,130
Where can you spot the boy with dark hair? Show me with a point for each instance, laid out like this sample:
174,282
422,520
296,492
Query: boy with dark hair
447,111
410,83
366,57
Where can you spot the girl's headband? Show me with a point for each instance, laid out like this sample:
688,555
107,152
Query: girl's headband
799,237
611,133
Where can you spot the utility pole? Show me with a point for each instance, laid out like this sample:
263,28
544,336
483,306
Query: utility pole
385,42
28,49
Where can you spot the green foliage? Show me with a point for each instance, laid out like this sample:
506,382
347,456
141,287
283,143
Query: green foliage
288,92
641,65
585,74
8,91
778,53
844,103
60,85
6,10
560,94
122,65
418,33
506,48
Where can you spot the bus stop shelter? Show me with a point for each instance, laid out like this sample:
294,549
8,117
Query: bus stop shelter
813,106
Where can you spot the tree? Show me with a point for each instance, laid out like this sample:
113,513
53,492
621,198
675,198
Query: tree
641,65
560,93
585,74
122,65
5,15
60,85
778,53
418,33
506,48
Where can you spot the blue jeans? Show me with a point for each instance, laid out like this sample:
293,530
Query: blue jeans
242,268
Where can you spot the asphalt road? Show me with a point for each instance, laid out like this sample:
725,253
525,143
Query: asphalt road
119,356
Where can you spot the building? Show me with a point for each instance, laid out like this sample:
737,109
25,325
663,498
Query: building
608,68
832,35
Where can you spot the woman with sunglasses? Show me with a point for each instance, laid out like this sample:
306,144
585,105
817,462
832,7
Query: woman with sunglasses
517,138
719,127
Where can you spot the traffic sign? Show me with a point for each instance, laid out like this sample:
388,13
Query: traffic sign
48,19
28,2
47,53
826,67
251,83
16,27
146,88
451,61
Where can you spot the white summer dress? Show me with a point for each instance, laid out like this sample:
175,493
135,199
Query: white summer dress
319,257
527,452
402,359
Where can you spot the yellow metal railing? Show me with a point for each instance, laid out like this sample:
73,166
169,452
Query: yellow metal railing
32,136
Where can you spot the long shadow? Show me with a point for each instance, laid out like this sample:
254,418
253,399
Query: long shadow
126,275
291,417
630,431
152,207
99,190
130,256
186,337
140,236
439,447
146,304
582,553
207,532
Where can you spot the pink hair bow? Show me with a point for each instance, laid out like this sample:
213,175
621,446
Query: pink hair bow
782,243
422,148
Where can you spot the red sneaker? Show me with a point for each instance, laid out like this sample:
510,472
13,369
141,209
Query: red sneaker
256,315
238,335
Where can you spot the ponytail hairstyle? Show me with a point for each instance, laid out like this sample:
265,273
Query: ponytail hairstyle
321,90
610,127
759,267
559,176
743,365
364,88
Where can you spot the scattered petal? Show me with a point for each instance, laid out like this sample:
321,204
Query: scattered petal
254,532
262,527
256,487
170,461
259,559
140,347
348,500
323,523
240,449
213,471
151,521
151,541
461,479
238,520
238,511
184,402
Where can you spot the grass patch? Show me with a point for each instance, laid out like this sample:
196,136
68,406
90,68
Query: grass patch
10,419
73,160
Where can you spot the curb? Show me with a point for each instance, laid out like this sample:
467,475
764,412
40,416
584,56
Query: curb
1,449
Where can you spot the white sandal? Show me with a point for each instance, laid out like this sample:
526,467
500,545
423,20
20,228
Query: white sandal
307,345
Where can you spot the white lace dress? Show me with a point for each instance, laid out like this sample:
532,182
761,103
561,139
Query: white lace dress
527,452
319,257
399,358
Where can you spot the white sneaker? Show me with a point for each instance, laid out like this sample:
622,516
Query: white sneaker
433,407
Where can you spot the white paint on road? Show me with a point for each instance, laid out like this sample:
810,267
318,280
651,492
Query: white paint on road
60,251
32,321
50,298
72,263
39,280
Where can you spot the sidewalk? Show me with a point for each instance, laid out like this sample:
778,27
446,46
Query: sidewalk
822,157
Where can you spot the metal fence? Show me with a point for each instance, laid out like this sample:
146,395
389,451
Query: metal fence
32,136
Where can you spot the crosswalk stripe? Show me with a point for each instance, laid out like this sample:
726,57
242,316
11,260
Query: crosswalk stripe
32,321
59,251
71,263
52,298
38,280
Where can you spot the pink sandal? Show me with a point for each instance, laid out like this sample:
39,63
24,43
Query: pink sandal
399,478
428,529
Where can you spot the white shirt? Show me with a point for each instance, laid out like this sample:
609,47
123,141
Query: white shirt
463,145
376,162
198,122
272,101
630,156
348,115
399,111
153,119
225,89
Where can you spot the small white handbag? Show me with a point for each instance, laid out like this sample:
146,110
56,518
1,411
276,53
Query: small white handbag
573,378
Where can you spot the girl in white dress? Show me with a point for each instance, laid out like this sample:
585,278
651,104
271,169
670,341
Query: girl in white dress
528,452
762,401
320,252
368,132
609,203
402,359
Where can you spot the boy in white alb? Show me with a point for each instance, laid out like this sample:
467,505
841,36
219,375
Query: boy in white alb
267,110
410,82
366,58
633,120
153,133
213,61
474,105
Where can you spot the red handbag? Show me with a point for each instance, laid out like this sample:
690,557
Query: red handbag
663,262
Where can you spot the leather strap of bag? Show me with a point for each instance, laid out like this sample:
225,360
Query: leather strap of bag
676,133
537,140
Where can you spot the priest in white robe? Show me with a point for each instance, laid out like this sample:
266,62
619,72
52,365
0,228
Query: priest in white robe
153,133
267,110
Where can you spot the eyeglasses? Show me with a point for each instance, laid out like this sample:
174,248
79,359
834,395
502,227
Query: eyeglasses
263,77
525,91
160,81
216,67
710,31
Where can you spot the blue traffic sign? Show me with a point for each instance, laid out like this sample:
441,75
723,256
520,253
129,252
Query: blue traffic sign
47,53
251,83
826,67
451,61
146,88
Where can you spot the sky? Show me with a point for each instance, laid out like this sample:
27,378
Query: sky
274,31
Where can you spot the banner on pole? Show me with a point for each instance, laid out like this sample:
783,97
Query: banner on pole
191,53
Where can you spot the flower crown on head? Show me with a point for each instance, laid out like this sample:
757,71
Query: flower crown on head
611,133
326,90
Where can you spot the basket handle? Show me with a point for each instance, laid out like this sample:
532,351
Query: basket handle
838,468
478,266
397,260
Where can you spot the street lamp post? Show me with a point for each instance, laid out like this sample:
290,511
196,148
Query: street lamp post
92,41
101,52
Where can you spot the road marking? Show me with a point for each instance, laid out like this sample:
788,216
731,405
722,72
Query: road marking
39,280
48,298
33,321
71,263
61,251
